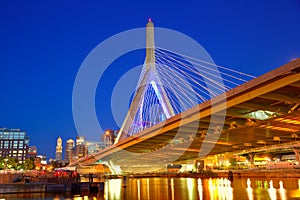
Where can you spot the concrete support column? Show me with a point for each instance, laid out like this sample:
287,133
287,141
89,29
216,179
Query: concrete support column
297,154
251,160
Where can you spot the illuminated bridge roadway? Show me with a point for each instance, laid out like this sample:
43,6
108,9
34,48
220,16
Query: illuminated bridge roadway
261,116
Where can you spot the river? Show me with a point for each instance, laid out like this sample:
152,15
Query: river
183,188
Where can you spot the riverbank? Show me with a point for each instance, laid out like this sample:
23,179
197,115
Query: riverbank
61,185
76,188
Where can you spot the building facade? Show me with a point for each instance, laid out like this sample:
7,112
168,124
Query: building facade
68,152
14,143
93,147
32,151
108,137
59,148
80,147
80,151
80,140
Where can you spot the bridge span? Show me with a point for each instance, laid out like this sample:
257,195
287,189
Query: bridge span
261,116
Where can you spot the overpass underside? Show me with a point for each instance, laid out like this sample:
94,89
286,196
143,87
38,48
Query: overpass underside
262,115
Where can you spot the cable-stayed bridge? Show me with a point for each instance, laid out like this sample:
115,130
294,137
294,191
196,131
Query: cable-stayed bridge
184,108
171,83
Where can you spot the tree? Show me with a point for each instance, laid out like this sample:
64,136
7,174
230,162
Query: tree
55,164
2,163
12,163
29,164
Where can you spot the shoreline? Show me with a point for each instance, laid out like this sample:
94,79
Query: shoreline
39,187
86,187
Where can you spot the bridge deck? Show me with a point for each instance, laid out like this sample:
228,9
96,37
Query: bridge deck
262,112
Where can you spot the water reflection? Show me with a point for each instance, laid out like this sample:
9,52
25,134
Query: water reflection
148,189
183,188
139,189
200,189
113,189
220,189
249,189
272,191
84,198
172,188
282,191
191,186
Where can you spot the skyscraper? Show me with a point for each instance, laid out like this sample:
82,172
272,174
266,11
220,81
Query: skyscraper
58,152
80,140
68,153
80,147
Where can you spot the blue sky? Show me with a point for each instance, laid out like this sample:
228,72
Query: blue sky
43,43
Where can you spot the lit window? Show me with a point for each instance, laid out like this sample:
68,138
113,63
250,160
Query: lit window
22,135
16,135
5,144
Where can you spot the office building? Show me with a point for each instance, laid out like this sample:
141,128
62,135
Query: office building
80,140
32,151
108,138
14,144
93,147
68,152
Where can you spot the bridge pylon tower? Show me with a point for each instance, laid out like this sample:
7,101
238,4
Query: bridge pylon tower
138,116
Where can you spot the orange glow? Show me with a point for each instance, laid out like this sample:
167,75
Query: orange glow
289,121
279,128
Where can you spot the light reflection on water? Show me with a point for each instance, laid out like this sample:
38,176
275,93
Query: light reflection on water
184,188
200,189
113,189
249,189
282,191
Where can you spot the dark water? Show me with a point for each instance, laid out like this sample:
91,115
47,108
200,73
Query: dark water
184,188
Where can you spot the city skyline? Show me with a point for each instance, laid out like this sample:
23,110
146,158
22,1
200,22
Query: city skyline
44,46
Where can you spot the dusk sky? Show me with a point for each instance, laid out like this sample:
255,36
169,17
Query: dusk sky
43,44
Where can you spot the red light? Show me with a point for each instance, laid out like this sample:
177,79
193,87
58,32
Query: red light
149,19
